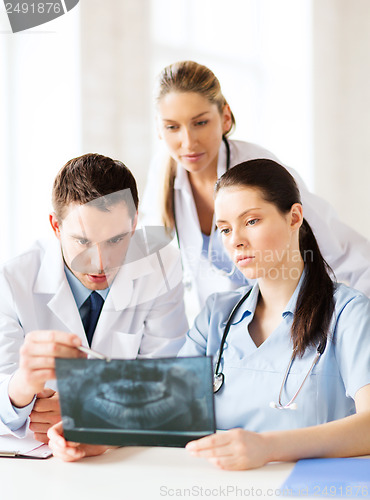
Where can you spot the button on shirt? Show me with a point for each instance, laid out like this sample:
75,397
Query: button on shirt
253,375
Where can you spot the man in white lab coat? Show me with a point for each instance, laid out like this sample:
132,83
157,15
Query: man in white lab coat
49,294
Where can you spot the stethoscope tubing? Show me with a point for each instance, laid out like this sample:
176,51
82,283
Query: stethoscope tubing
226,331
219,376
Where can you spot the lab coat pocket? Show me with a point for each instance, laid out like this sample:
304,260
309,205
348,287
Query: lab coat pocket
126,345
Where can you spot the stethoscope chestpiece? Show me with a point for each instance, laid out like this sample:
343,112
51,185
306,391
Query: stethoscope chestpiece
278,406
218,382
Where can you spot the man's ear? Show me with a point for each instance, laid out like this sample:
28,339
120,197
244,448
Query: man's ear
134,223
55,224
296,216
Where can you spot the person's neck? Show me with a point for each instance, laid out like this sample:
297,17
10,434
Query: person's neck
205,177
276,291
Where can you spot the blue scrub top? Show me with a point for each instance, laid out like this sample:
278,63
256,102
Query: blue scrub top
253,375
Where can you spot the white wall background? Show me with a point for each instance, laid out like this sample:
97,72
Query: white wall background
40,123
295,73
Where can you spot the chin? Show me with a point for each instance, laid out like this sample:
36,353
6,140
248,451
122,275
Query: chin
249,274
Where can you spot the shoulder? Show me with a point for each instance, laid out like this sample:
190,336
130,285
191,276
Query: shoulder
352,307
244,151
345,295
27,260
225,301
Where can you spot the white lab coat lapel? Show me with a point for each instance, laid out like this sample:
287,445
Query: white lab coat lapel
52,280
188,226
120,297
187,221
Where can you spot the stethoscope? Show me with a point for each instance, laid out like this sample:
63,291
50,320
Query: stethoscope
222,272
219,377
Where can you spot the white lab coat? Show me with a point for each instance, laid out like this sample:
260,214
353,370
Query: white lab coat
346,251
143,314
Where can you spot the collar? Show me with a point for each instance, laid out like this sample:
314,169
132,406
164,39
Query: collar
291,306
250,304
182,179
47,281
79,291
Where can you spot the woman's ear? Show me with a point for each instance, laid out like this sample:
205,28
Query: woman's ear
227,121
296,216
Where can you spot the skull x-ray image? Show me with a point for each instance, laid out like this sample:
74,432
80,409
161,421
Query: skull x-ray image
164,402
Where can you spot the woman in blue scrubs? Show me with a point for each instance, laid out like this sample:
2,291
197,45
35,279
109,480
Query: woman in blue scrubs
295,364
295,311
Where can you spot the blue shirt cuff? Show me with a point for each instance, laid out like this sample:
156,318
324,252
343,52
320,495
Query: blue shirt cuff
12,417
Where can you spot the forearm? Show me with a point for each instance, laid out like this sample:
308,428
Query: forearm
346,437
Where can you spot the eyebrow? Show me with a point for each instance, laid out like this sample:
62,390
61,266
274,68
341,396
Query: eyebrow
193,118
79,237
240,216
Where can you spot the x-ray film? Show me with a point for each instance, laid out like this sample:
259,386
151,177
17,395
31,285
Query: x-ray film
141,402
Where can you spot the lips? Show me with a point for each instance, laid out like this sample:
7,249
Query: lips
97,278
244,259
192,157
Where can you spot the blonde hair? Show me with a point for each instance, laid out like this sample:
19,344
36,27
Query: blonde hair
185,76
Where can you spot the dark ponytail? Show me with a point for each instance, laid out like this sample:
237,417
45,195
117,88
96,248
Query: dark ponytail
315,303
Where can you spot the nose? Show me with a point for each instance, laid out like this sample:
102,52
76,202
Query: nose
239,238
97,258
188,138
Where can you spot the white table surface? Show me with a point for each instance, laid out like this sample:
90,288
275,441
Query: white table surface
136,473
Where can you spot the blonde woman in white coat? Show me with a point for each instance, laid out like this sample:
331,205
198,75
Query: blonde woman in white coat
194,120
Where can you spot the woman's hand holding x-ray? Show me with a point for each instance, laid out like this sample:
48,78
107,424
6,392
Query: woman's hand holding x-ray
70,451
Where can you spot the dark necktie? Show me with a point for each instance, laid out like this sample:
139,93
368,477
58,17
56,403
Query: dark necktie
95,302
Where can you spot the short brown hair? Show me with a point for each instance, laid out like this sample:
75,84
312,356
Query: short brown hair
90,177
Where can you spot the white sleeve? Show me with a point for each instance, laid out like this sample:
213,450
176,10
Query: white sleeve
345,250
11,331
12,420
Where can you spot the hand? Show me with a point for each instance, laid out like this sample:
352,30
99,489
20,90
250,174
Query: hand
45,413
37,362
68,450
236,449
